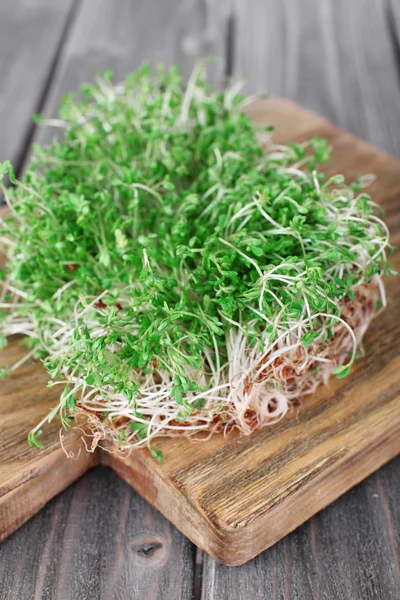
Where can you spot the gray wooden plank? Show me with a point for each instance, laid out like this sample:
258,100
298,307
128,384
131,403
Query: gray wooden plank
97,540
122,35
333,56
30,33
347,552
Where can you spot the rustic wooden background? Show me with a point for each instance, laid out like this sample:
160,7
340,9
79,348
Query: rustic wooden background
98,539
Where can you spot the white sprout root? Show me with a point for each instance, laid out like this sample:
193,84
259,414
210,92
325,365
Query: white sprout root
250,391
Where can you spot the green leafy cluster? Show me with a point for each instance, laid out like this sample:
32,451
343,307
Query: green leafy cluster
159,216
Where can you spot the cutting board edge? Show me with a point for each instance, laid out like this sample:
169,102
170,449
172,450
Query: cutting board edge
337,473
163,495
34,492
235,546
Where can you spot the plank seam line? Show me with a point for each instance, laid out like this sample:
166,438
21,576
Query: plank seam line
26,145
198,574
393,36
230,42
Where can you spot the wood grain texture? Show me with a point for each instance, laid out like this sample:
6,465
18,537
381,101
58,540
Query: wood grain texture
346,552
236,497
333,56
30,34
29,478
97,540
122,35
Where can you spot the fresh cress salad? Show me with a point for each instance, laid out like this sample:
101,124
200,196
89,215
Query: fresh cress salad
176,271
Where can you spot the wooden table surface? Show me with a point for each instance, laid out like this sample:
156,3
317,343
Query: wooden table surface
341,58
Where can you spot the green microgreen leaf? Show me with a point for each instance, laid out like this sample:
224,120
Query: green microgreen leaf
33,438
342,371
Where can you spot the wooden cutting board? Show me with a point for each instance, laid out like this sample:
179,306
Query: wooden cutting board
235,497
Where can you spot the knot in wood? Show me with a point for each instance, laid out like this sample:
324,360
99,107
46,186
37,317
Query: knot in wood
150,549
